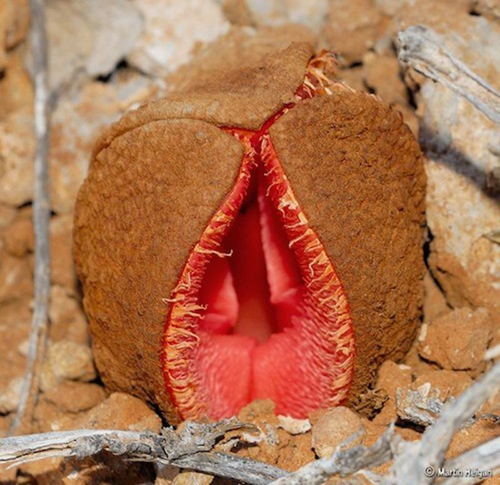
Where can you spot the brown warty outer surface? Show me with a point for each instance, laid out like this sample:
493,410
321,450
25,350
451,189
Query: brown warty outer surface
158,176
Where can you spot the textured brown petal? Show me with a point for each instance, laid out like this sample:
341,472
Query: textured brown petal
358,175
147,199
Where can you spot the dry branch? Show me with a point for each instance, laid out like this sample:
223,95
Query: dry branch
192,446
188,449
343,462
41,216
412,460
424,50
484,457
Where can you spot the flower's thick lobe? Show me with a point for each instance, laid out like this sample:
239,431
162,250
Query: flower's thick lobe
258,234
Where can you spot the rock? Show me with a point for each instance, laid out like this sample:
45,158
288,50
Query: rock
4,20
487,8
174,476
333,428
460,142
375,431
164,45
63,271
237,12
47,417
16,158
391,376
166,474
16,281
7,215
294,426
472,436
444,16
120,411
19,237
382,76
74,397
297,452
18,13
279,12
352,27
67,360
89,37
354,77
16,89
76,124
458,340
67,320
264,445
14,23
435,304
492,405
414,361
448,383
11,395
260,409
192,478
15,322
43,472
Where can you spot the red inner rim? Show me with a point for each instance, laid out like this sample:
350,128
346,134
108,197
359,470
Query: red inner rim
273,321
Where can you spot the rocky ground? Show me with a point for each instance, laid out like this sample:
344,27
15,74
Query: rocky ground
106,58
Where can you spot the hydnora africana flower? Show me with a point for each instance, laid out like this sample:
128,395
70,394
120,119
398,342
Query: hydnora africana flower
255,235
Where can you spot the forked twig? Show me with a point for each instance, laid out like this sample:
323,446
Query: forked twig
41,216
191,448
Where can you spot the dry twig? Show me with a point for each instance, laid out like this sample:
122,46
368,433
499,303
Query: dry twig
188,449
191,448
484,457
343,462
423,49
412,459
41,216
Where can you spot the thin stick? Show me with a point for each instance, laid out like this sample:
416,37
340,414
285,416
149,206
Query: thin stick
188,449
429,452
343,462
423,49
485,458
41,216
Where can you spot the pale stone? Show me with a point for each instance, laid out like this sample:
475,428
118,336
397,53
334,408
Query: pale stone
461,145
16,281
337,426
280,12
16,159
294,426
67,361
77,122
172,31
10,397
89,36
458,340
352,28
